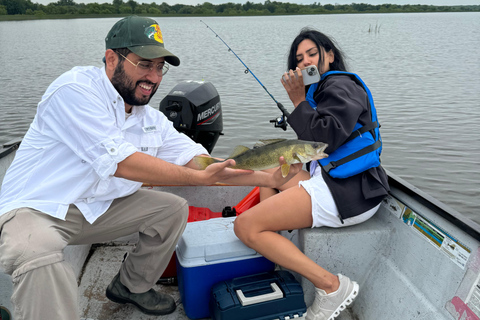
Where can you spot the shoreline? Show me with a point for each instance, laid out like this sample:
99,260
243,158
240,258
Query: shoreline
23,17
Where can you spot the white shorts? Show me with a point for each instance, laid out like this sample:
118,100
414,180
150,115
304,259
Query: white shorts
324,210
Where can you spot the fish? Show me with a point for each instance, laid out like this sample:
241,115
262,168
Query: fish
265,154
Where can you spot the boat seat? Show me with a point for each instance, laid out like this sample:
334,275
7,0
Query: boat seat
387,259
352,251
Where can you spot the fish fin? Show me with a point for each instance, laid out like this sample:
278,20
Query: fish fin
203,162
300,158
297,157
238,151
285,169
265,142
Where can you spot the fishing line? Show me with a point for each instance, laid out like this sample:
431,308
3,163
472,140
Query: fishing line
279,122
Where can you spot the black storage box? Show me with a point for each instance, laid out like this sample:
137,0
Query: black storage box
263,296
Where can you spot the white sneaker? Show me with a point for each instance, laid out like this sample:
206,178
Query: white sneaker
328,306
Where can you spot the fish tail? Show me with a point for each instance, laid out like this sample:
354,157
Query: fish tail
203,162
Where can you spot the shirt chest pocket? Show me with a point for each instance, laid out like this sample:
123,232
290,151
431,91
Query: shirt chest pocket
146,142
149,144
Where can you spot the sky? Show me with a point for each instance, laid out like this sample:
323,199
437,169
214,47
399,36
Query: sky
195,2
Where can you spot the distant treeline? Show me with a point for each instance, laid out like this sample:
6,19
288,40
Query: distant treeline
67,8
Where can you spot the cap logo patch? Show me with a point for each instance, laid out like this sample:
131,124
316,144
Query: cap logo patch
153,32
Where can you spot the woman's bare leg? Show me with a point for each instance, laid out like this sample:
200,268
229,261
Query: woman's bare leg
290,209
267,193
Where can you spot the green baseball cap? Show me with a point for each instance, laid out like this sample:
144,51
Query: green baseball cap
142,36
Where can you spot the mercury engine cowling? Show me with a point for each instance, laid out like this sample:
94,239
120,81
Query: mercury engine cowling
194,108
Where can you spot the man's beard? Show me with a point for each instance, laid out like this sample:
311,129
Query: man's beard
126,88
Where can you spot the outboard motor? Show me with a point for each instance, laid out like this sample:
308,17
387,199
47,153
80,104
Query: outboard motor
194,108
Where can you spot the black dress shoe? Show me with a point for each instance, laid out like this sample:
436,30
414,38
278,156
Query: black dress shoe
150,302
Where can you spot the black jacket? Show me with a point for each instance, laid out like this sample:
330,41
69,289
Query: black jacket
341,103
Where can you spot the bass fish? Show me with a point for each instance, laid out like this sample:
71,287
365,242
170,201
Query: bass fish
264,155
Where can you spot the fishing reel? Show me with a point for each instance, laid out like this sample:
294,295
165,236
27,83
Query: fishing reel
280,122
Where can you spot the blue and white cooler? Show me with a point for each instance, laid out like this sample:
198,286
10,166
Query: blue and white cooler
207,253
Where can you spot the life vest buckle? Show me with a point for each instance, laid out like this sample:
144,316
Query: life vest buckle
330,166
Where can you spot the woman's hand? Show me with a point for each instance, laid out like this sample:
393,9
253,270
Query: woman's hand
293,82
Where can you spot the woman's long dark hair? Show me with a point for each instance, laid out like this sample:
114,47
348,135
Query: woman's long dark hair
322,41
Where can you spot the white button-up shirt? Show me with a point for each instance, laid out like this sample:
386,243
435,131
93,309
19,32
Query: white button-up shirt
78,136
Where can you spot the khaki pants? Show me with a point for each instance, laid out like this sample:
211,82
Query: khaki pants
32,243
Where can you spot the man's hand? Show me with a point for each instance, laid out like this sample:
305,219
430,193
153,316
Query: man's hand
147,169
221,171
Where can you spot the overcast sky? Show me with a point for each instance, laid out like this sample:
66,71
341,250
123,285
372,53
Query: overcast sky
195,2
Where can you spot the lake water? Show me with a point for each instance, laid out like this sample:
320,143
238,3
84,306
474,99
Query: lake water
423,71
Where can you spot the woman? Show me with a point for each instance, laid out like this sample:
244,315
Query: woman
328,111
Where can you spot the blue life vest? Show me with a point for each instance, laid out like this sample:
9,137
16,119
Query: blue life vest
361,151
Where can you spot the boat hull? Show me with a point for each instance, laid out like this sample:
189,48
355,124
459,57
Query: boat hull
410,261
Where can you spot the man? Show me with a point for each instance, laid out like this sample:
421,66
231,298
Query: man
77,175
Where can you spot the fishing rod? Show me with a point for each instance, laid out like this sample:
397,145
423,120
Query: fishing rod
280,122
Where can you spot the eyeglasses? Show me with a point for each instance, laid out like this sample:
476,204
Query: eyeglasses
144,67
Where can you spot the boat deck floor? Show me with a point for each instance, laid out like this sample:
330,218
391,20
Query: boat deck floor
102,265
100,268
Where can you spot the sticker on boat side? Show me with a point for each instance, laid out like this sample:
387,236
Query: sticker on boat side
473,298
394,206
454,249
463,310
